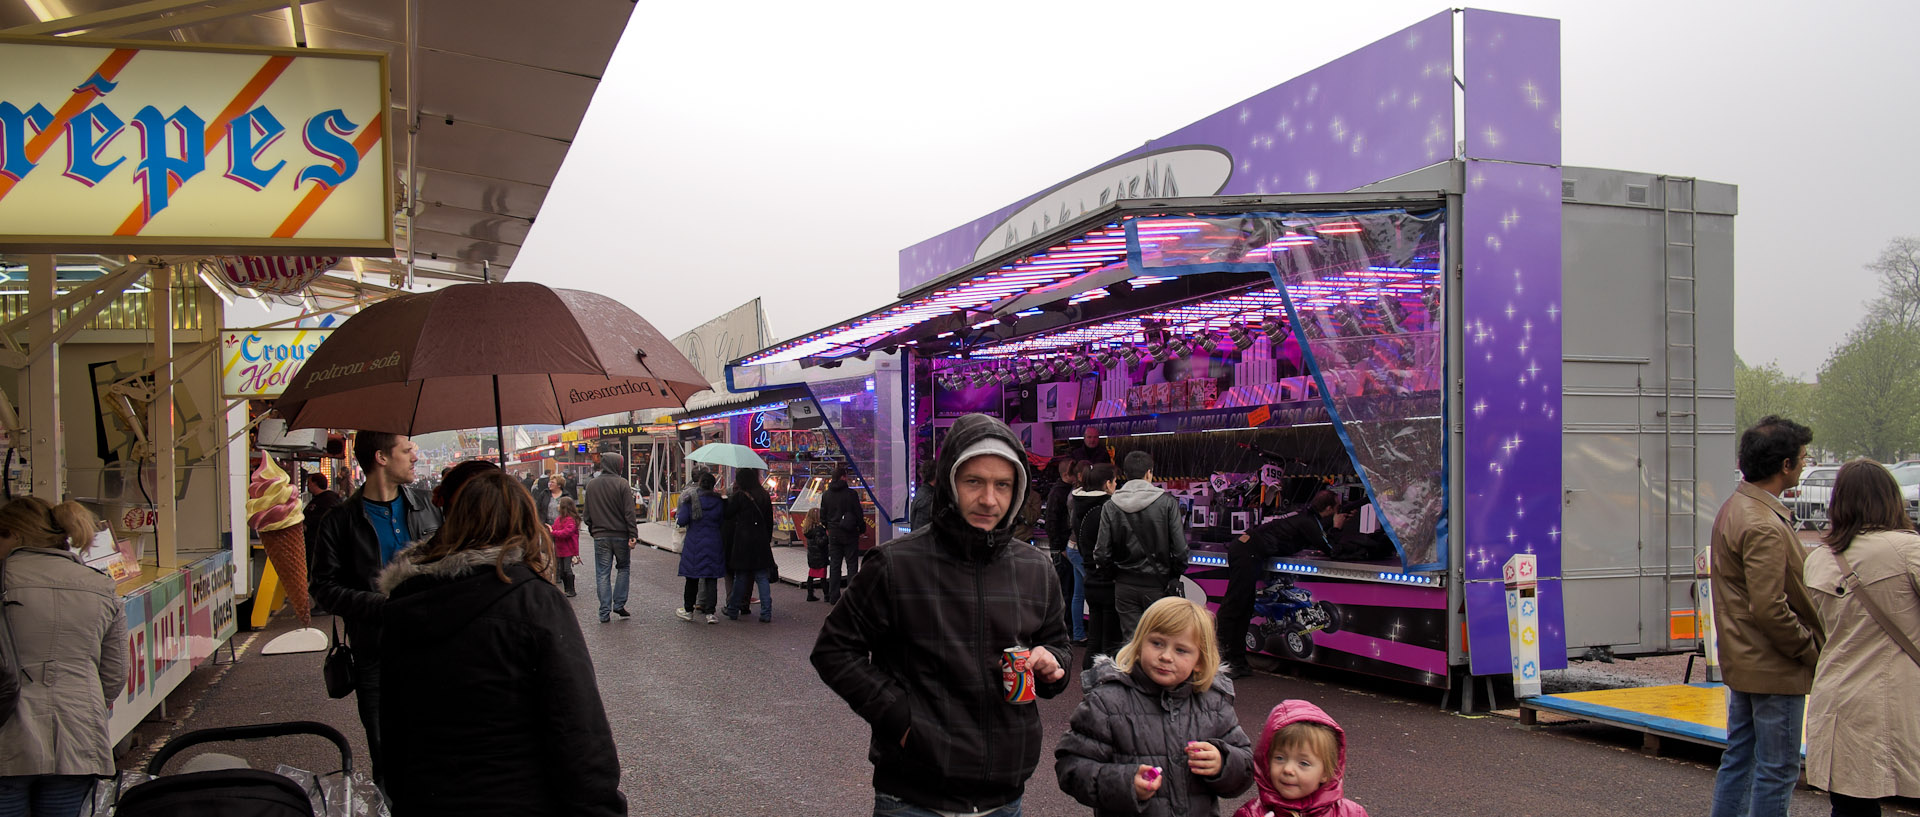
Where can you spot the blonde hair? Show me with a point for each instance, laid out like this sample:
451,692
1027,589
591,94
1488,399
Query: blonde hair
1317,738
39,525
1176,616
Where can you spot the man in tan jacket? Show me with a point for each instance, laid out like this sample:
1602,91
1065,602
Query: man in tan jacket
1769,633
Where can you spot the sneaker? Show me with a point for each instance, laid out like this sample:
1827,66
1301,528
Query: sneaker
621,612
766,619
603,619
731,615
683,614
713,619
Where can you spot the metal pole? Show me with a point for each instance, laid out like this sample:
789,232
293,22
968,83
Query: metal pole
413,124
46,461
161,431
499,431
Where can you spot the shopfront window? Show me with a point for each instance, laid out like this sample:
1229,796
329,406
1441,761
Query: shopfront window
852,409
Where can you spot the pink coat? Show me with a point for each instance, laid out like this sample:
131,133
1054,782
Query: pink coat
566,537
1329,800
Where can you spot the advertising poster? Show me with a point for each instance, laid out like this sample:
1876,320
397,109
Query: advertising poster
167,625
1059,401
210,613
136,697
966,400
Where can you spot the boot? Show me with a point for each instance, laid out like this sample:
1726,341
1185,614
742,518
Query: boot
808,584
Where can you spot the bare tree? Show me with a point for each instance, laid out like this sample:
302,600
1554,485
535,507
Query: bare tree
1899,269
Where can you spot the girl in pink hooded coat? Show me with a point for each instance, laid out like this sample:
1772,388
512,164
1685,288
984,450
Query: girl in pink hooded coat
1295,777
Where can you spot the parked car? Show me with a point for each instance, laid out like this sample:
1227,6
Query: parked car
1908,475
1809,501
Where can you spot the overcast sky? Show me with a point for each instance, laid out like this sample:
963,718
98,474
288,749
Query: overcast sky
789,151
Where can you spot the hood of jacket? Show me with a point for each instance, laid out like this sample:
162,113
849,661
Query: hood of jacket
1085,492
1136,495
1285,714
971,436
613,464
473,570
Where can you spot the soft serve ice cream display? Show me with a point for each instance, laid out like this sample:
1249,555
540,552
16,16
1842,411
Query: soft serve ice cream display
274,511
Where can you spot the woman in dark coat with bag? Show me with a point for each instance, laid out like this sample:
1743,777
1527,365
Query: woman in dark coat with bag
703,559
747,531
490,704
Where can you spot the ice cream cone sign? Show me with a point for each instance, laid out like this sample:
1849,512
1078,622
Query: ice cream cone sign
274,511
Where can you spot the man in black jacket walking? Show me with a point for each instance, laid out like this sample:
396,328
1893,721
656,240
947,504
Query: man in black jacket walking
1143,540
845,521
357,540
915,647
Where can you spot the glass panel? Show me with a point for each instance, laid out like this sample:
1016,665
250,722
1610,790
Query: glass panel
1363,296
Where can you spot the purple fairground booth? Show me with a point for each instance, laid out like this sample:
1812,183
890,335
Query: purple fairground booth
1377,278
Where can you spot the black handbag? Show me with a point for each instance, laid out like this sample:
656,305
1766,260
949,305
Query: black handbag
337,669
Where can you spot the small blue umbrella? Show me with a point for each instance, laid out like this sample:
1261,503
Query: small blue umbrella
728,454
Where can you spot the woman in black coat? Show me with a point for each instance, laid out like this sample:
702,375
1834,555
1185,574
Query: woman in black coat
489,704
1103,623
747,530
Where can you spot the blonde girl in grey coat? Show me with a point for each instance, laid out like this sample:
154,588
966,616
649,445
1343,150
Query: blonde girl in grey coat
65,630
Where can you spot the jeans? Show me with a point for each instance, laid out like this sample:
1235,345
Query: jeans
847,553
1077,601
1761,764
699,595
610,559
743,584
887,805
1130,601
46,795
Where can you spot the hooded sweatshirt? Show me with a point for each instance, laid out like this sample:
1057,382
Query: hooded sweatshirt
1143,537
1328,800
914,646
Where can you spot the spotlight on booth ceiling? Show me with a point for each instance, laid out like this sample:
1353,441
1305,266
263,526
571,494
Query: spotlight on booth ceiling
1131,356
1059,367
1274,327
1107,359
1157,350
1241,336
1179,348
979,377
1082,365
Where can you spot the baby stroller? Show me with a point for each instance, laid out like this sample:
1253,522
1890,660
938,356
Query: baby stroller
228,792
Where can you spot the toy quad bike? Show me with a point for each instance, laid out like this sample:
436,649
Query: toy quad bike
1291,618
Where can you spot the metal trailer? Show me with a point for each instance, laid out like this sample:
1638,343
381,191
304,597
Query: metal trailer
1647,430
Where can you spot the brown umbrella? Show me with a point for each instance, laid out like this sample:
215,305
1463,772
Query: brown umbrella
479,355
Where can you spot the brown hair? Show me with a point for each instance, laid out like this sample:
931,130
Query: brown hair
812,521
1866,498
493,510
1176,616
568,508
39,525
1323,742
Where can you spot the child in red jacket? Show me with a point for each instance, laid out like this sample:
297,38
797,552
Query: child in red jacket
566,542
1300,765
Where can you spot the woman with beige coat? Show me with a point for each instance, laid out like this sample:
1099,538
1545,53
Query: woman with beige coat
65,631
1862,741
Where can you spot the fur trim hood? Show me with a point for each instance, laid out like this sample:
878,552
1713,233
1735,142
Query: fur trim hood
451,566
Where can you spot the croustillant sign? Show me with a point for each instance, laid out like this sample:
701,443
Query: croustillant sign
260,363
139,146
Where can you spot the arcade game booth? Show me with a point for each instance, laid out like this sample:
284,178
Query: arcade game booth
1484,352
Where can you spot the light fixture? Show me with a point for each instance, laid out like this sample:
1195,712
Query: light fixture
1131,356
1241,336
1082,366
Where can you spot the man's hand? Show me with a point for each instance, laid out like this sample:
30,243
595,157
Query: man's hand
1146,781
1203,758
1046,667
632,543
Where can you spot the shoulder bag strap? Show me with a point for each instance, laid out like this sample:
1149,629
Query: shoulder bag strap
1873,609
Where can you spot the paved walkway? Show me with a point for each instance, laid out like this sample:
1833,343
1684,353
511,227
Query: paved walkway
731,719
791,559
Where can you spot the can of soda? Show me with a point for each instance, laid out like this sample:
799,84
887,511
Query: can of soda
1016,674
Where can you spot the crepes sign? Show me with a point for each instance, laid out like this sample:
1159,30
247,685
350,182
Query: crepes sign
137,146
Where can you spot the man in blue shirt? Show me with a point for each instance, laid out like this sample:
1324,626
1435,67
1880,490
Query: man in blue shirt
354,543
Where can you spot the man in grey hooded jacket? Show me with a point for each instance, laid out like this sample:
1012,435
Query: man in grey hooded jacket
1143,536
610,516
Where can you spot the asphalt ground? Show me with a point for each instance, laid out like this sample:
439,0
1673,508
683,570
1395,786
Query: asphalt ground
730,719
